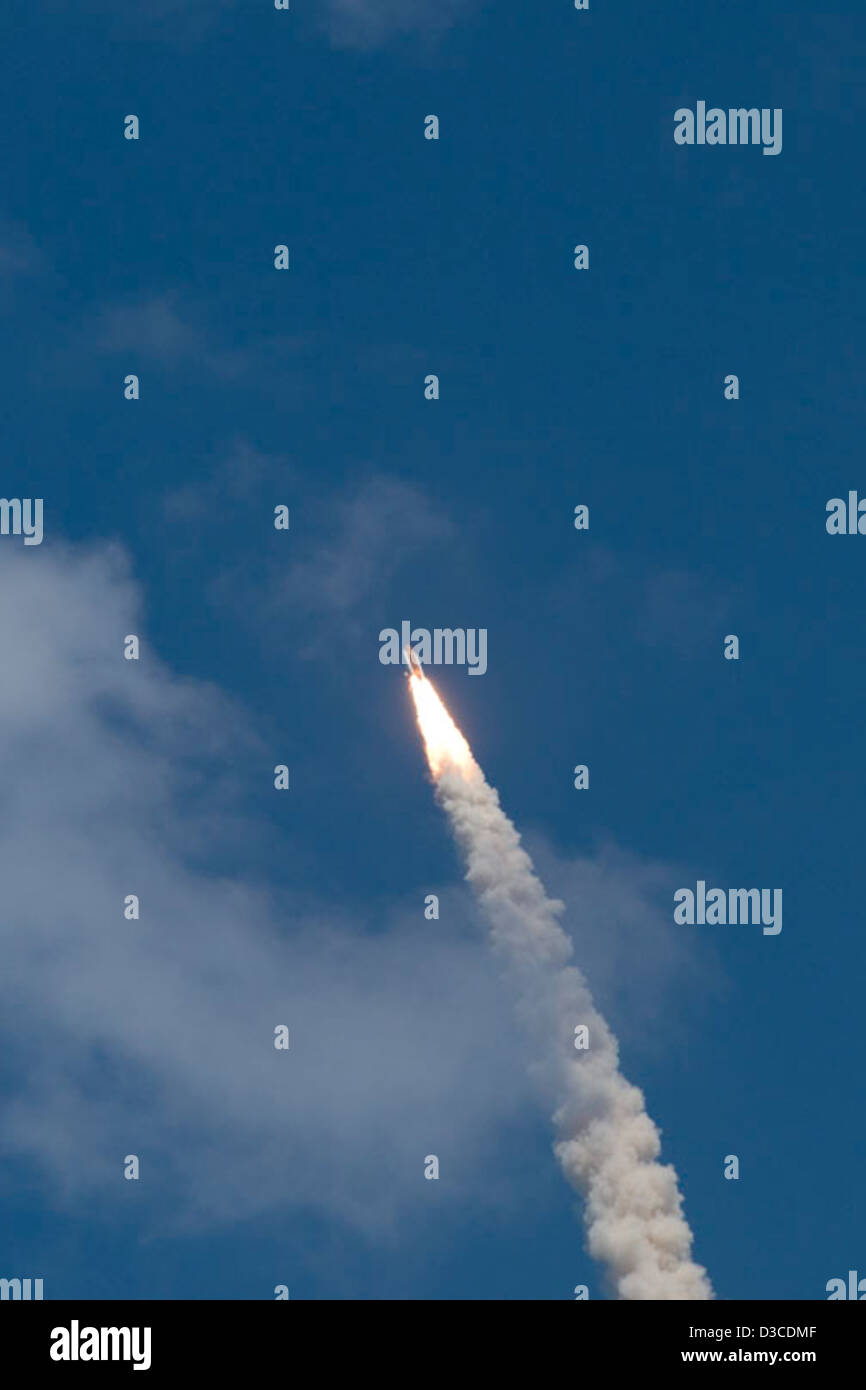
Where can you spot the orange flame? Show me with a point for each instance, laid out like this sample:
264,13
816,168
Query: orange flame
444,744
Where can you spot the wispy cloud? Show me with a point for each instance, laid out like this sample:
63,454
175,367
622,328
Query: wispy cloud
373,532
22,263
18,251
175,21
347,23
346,551
237,479
163,329
685,611
367,23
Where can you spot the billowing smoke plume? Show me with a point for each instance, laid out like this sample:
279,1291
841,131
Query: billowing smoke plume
606,1142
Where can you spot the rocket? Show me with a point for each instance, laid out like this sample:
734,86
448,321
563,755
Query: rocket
414,665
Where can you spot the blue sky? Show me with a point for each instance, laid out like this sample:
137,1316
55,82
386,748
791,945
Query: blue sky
306,388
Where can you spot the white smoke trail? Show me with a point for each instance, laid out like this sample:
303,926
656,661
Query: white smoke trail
606,1143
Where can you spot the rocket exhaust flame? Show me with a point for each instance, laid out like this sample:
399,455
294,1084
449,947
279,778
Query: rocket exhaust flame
443,742
606,1143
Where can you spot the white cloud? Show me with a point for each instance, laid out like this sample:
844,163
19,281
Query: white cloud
156,1037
